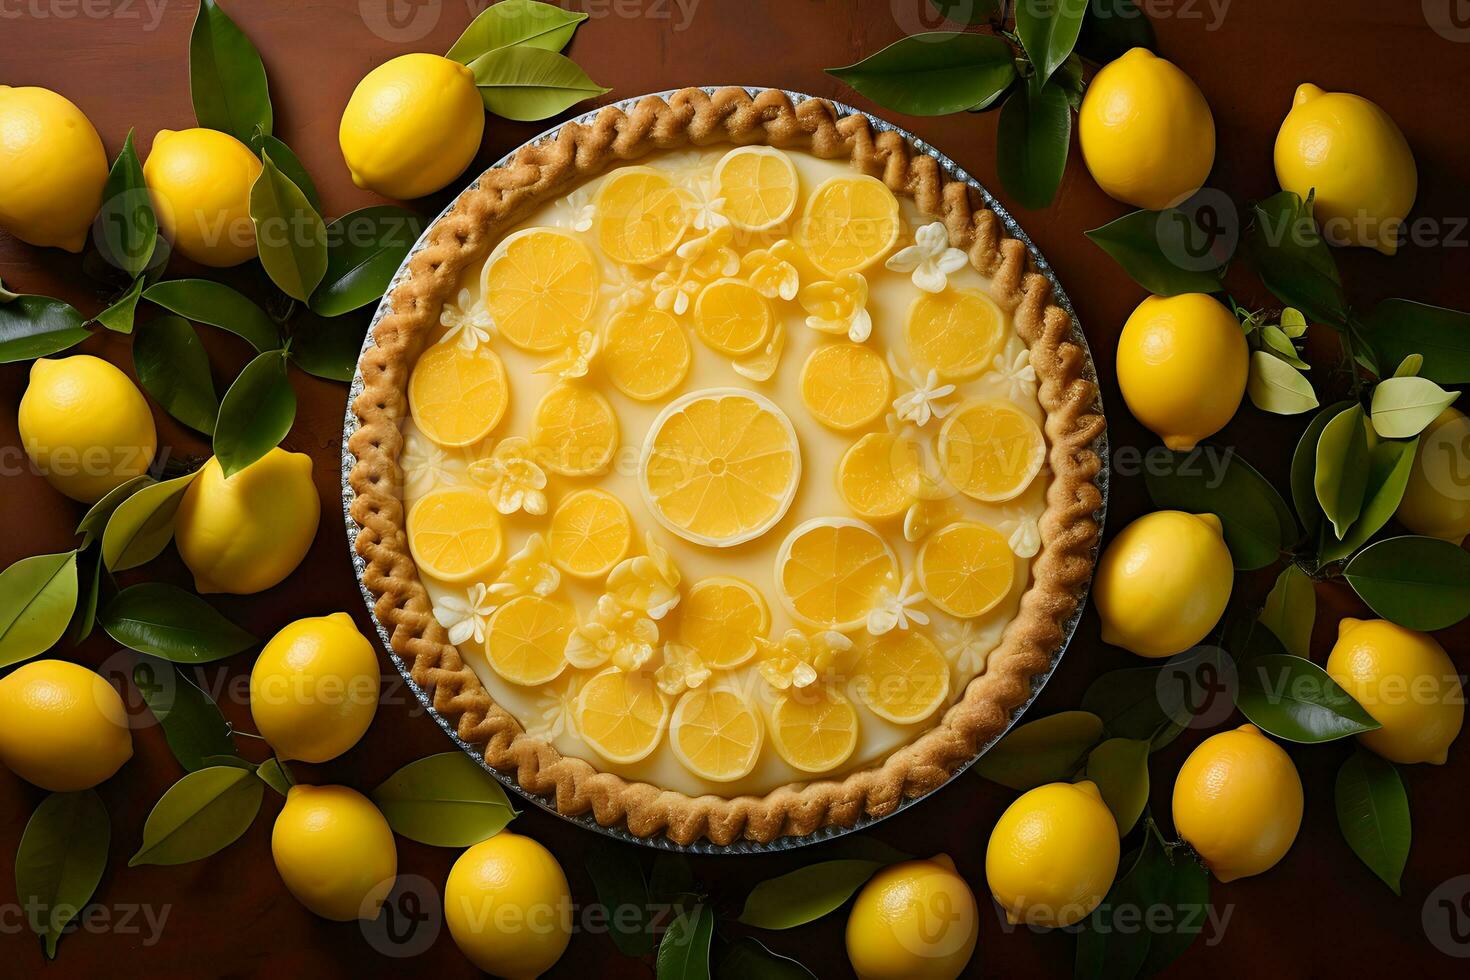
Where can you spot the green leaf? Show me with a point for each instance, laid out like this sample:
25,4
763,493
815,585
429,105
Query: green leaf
1404,407
1418,582
62,855
1341,476
1410,366
1279,345
365,249
806,894
934,74
290,165
1290,610
1110,30
1046,750
275,774
1304,467
126,228
1389,466
750,959
226,76
526,84
969,12
1157,703
1034,133
192,724
1399,327
327,347
289,234
1048,30
202,813
120,315
1277,387
536,25
166,621
255,414
95,520
172,367
219,306
1257,522
143,524
1119,767
1294,262
1293,324
1294,699
89,593
444,800
37,326
1165,252
1373,812
683,953
617,877
37,598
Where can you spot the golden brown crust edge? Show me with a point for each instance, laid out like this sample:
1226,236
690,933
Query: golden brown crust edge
462,238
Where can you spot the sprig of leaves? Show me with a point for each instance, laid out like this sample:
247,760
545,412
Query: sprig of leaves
514,49
444,800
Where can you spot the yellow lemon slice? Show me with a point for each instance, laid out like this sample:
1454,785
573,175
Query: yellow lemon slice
457,396
590,533
732,317
720,466
849,223
759,185
966,568
526,637
621,715
845,386
830,571
902,677
991,450
574,431
814,729
645,353
956,332
878,476
640,215
454,535
721,618
540,287
716,734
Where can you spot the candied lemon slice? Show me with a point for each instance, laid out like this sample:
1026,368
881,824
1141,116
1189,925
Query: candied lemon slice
831,570
621,715
879,474
590,533
721,618
732,317
645,353
902,677
845,386
991,450
540,286
966,568
759,186
457,397
640,215
574,431
716,734
849,223
720,466
814,729
526,638
454,535
957,333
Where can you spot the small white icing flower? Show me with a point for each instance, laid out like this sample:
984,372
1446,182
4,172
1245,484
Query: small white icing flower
576,211
838,306
556,710
424,466
695,263
707,209
575,359
798,660
925,398
929,259
1025,540
468,325
616,633
1018,374
772,271
895,610
966,648
924,515
683,670
465,616
648,583
626,287
529,571
513,477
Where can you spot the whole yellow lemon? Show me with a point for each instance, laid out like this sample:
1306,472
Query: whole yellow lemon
1182,367
1405,680
85,426
52,168
508,907
1053,854
245,533
199,180
62,727
1356,158
1238,802
1436,499
913,921
412,125
334,851
1146,132
314,688
1163,583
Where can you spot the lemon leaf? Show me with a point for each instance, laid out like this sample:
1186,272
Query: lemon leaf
1109,31
1341,476
1032,138
60,861
192,724
1389,466
1256,521
1048,30
126,228
1119,767
1373,814
934,74
1294,699
172,367
327,347
1157,703
89,592
536,25
255,414
289,234
444,800
166,621
1418,582
1276,386
526,84
1165,252
219,306
37,598
749,957
683,953
226,77
1304,467
36,326
1403,407
143,524
202,813
94,522
1291,606
1398,328
364,250
806,894
617,877
289,163
275,774
120,315
1046,750
1294,262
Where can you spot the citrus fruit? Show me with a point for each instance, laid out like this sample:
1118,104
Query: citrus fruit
916,920
1053,854
716,734
62,727
878,476
525,638
991,450
848,224
902,677
732,317
645,353
540,287
334,851
831,570
314,688
574,431
1163,583
1406,681
245,533
1436,498
52,168
85,426
1238,802
815,729
621,715
508,906
956,333
590,533
457,397
199,181
759,186
721,618
1146,132
845,386
412,125
640,215
1182,366
966,568
720,466
454,534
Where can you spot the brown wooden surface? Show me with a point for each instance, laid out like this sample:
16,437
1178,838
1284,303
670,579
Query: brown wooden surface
1319,913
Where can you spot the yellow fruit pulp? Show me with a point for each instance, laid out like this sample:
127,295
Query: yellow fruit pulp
720,618
845,386
590,533
646,354
52,168
991,450
878,476
815,729
759,186
458,397
732,318
966,568
831,571
525,638
716,734
956,333
540,287
574,430
454,535
621,715
902,676
849,224
640,215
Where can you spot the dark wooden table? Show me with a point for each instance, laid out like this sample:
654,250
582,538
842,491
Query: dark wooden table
1319,913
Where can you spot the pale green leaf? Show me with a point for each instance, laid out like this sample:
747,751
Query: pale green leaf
1404,407
1291,607
1119,767
806,894
1277,387
62,855
444,800
527,84
1341,477
524,22
200,814
1410,366
37,598
143,524
1047,750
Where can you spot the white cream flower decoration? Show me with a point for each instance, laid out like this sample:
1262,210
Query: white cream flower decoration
838,306
617,634
929,259
425,466
467,615
694,263
515,480
625,287
707,210
556,709
966,647
925,399
529,571
1017,373
576,210
798,660
773,271
648,583
575,359
683,670
467,325
895,610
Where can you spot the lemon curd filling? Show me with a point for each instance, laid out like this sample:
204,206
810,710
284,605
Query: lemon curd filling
724,471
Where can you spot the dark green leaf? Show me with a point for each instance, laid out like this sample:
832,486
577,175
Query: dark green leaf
934,74
1111,29
219,306
1046,750
1290,610
750,959
255,414
1034,133
683,953
143,524
289,234
1164,251
1399,327
37,598
126,228
536,25
1119,767
120,315
968,12
172,367
526,84
445,800
200,814
95,520
226,77
37,326
1418,582
1373,812
617,876
1341,476
1257,522
1403,407
365,249
62,855
806,894
1048,30
1294,699
193,726
1389,467
167,621
274,773
327,348
1304,467
1294,262
1157,703
89,592
290,165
